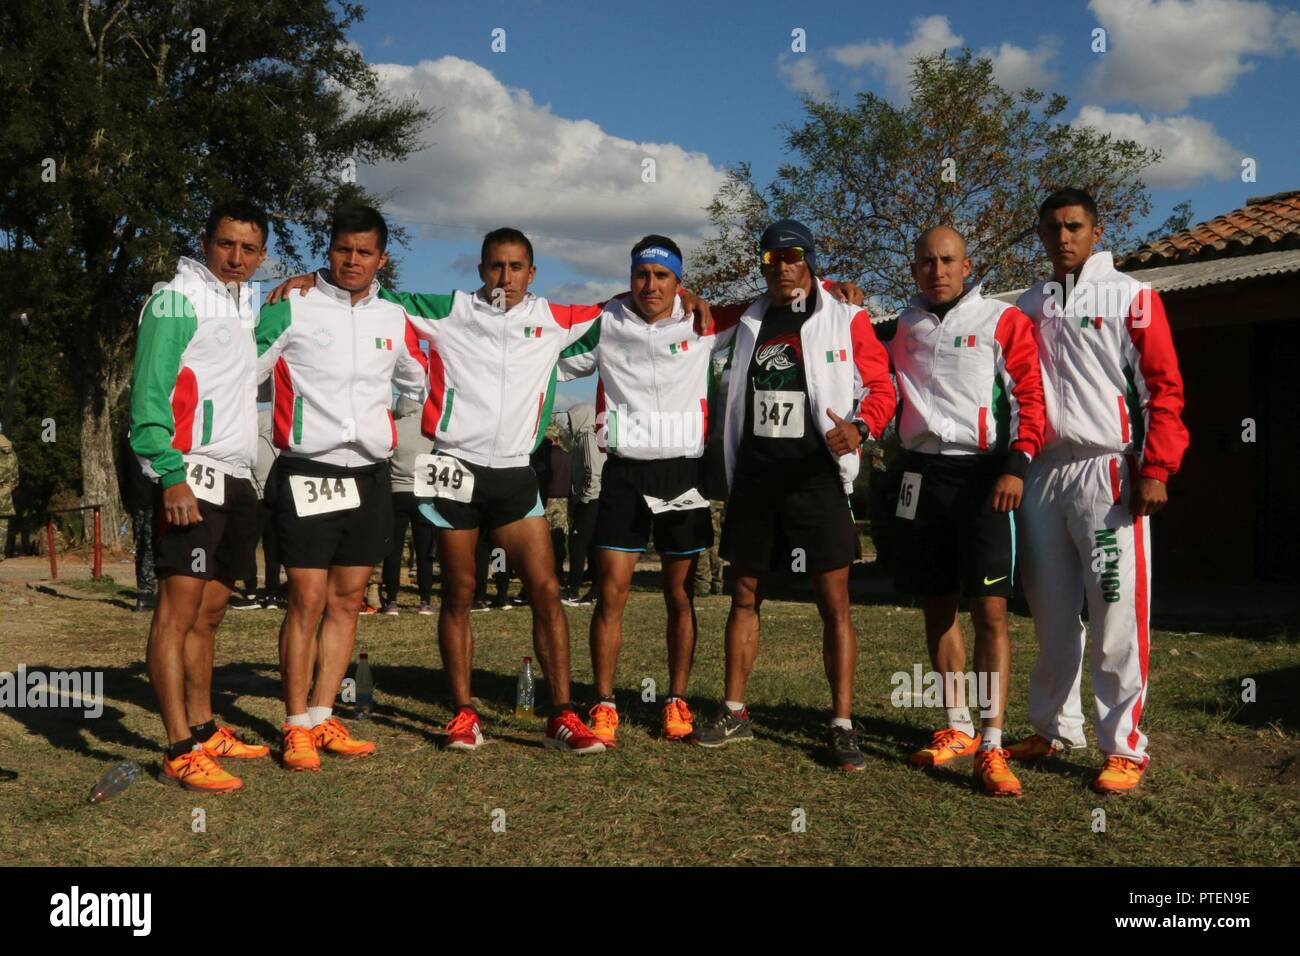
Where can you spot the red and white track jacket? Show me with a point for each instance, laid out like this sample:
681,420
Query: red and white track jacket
491,373
1110,374
334,365
846,367
969,383
654,380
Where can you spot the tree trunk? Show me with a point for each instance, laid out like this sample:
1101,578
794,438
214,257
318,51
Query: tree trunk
98,469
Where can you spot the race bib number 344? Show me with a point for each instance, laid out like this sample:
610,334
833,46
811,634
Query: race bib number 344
441,476
318,495
778,414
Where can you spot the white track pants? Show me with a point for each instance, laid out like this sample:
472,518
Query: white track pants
1078,539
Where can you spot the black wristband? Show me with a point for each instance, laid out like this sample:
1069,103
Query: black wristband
1016,465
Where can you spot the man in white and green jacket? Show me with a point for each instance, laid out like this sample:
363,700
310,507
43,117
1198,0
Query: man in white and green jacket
194,432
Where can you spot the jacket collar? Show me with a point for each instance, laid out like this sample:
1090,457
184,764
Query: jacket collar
483,304
971,298
196,270
622,308
753,316
343,296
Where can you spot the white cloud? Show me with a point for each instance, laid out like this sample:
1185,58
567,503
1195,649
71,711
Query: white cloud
495,157
893,61
1162,53
1190,147
800,73
1014,67
590,291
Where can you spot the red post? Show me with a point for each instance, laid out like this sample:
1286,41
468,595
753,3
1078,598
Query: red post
99,550
49,543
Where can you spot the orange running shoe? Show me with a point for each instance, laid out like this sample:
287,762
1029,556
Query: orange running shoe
224,743
1119,775
679,722
333,738
993,773
299,750
196,770
946,744
604,723
1034,747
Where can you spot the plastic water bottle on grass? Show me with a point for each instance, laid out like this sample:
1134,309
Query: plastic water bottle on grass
524,691
114,782
365,687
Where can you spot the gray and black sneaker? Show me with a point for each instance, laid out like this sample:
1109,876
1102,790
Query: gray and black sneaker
845,750
726,728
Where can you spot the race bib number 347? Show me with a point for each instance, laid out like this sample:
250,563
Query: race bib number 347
321,494
441,476
778,414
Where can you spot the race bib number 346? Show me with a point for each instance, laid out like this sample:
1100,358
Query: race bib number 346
441,476
318,495
778,414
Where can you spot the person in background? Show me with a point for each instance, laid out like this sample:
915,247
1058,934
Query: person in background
587,463
137,498
410,443
271,596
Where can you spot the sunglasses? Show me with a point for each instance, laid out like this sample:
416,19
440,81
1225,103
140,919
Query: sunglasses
792,255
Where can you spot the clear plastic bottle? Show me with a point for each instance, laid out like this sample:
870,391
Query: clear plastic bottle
365,687
114,782
524,691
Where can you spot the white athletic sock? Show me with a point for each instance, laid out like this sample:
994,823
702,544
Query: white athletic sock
959,718
992,738
842,722
318,715
735,706
298,720
609,702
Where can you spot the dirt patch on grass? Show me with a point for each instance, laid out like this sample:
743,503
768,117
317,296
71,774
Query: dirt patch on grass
1263,763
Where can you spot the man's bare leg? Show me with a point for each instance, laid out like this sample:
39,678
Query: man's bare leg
839,644
992,654
345,587
606,637
200,651
455,640
308,588
679,601
179,600
742,632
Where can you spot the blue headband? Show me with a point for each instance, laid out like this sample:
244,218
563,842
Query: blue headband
659,256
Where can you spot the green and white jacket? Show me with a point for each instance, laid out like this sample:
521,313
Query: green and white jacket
194,385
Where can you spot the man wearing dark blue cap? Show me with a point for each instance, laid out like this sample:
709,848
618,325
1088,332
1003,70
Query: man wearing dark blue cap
810,384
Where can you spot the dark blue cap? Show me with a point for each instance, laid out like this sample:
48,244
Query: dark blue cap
787,233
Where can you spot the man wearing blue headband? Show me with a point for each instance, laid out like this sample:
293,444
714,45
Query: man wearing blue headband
652,405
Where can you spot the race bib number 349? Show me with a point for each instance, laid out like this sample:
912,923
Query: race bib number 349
778,414
441,476
318,495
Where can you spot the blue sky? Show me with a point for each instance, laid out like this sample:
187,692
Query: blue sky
550,133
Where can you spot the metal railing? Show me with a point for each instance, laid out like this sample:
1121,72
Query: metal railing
98,569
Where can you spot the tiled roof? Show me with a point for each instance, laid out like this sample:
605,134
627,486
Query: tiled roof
1198,275
1265,224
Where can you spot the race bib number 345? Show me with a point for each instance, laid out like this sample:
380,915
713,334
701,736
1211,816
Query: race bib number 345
441,476
318,495
207,483
778,414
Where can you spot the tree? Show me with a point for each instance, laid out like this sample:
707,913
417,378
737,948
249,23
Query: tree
867,179
123,120
1178,221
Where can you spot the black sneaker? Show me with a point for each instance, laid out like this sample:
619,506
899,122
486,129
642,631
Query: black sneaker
480,606
390,609
588,598
570,599
244,602
519,600
845,751
726,728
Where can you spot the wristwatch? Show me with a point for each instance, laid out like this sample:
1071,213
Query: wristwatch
864,433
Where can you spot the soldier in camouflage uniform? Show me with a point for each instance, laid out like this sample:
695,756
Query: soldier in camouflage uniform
8,481
708,570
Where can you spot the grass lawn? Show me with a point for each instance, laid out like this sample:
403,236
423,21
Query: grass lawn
1223,788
